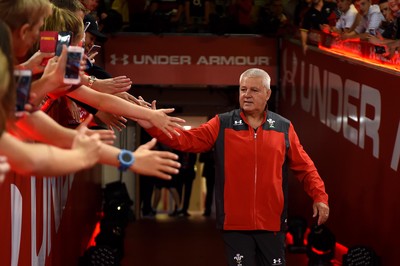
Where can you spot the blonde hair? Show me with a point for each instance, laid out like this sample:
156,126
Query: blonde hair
64,20
16,13
71,5
257,72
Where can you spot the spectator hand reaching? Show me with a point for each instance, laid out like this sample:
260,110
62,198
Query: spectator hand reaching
112,85
105,135
127,97
88,146
161,164
112,121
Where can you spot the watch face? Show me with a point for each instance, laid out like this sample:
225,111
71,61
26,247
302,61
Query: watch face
127,157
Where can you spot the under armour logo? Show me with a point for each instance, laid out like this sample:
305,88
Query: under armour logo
277,261
238,259
123,59
238,123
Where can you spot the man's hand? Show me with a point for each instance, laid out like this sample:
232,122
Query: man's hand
322,210
161,120
155,163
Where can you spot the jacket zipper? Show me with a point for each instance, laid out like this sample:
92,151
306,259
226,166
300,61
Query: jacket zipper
255,177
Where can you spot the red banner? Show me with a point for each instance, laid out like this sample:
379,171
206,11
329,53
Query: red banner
189,60
348,120
48,220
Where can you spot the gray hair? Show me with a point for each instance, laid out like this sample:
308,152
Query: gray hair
257,72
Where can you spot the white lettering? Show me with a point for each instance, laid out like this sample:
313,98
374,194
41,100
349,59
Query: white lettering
334,121
351,89
321,100
38,258
349,106
233,60
394,164
370,126
16,224
55,192
161,60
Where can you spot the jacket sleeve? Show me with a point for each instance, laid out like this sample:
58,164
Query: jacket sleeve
195,140
304,169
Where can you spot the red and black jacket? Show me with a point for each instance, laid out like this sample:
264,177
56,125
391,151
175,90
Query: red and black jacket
251,181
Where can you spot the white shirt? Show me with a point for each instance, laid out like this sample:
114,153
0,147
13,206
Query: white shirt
370,23
347,19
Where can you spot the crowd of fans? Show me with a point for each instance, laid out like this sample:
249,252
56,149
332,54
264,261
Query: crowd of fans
50,143
375,21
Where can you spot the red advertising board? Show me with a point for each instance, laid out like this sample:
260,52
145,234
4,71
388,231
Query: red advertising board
188,60
48,220
347,116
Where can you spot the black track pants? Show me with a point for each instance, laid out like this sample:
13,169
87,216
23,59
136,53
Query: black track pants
254,248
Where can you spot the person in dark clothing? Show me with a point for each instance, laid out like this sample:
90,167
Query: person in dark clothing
185,179
320,13
209,173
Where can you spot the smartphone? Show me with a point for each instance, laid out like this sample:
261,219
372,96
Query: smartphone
74,58
64,38
23,80
95,48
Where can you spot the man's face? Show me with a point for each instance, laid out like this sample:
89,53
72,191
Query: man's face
253,95
343,5
386,12
363,6
22,44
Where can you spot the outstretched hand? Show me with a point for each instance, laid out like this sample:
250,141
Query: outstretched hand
161,120
113,85
161,164
105,135
89,146
165,123
322,210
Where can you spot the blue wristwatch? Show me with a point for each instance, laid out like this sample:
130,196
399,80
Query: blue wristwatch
126,159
